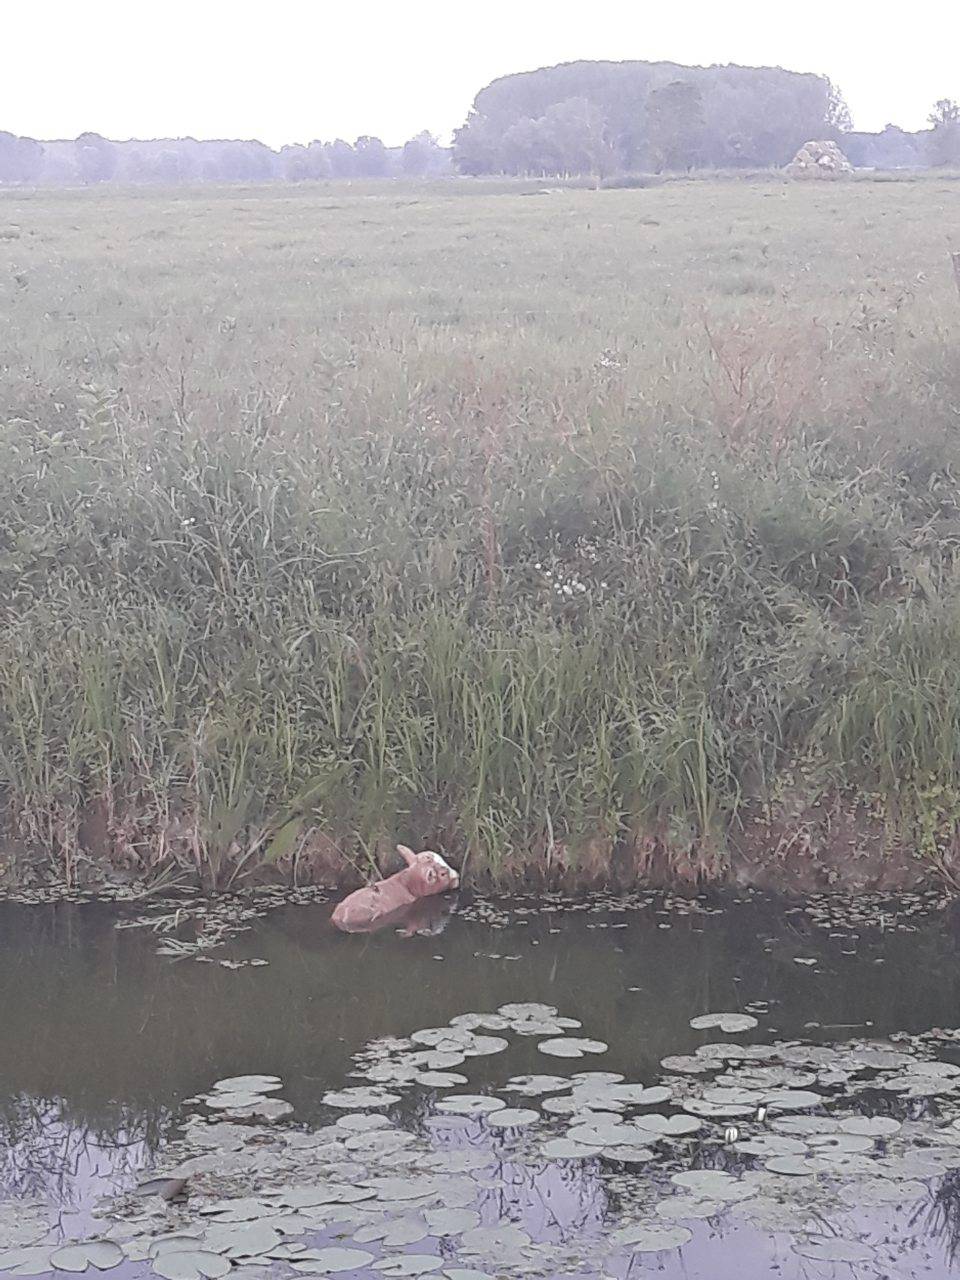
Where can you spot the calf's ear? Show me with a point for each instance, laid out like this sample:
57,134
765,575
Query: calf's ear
407,855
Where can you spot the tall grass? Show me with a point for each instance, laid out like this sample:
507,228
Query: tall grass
569,605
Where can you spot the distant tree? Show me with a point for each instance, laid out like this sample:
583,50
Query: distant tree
96,158
675,126
944,138
576,139
304,164
525,148
747,115
420,155
839,119
343,159
21,159
478,145
373,160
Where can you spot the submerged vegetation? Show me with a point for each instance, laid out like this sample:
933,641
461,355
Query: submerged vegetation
607,535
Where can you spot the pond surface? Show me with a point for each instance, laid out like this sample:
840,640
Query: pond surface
109,1053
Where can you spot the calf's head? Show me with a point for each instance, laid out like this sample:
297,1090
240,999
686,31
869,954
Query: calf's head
430,873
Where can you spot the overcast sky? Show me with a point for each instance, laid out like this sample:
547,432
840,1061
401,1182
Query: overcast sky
294,70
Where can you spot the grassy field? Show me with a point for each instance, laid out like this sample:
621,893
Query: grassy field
587,534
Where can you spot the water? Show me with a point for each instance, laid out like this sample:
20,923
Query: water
102,1041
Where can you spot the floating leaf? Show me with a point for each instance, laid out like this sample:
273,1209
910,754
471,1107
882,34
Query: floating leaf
679,1208
394,1232
564,1149
360,1096
409,1264
512,1118
667,1126
249,1084
440,1079
690,1064
833,1249
534,1086
627,1155
795,1166
328,1262
651,1239
451,1222
30,1261
470,1104
571,1047
191,1265
871,1126
528,1011
714,1184
503,1238
728,1023
102,1254
360,1122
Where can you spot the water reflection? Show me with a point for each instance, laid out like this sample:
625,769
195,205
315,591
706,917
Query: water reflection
102,1040
427,918
46,1155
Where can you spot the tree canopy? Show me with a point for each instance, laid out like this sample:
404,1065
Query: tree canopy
645,115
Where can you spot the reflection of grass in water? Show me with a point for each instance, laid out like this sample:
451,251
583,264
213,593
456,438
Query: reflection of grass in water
941,1218
46,1153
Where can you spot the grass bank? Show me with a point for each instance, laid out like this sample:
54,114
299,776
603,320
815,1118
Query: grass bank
591,536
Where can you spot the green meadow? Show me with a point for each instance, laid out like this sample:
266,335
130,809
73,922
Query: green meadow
590,536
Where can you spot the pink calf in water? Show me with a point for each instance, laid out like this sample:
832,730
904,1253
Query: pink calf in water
424,875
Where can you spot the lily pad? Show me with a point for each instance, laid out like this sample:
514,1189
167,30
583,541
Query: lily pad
571,1047
677,1126
635,1095
795,1166
564,1149
451,1222
534,1086
728,1023
492,1241
681,1208
328,1262
358,1096
361,1122
249,1084
652,1239
30,1261
871,1126
714,1184
833,1249
102,1254
470,1104
394,1232
191,1265
690,1064
527,1011
627,1154
512,1118
409,1264
792,1099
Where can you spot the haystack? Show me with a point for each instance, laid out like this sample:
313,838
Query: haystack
819,160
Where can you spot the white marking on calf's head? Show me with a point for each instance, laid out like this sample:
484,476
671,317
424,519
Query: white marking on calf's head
434,867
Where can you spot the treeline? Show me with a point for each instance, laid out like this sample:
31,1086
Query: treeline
602,118
91,158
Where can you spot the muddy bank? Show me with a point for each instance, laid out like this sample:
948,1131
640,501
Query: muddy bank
842,847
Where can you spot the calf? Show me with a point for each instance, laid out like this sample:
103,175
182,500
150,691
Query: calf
424,875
